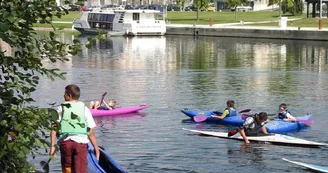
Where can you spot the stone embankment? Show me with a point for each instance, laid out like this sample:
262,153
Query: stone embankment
223,30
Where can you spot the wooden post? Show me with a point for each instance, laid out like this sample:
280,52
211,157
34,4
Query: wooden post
320,24
211,22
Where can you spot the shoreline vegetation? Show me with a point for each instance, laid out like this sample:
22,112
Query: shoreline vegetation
270,18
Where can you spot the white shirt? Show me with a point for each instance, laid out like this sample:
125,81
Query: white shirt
79,138
289,116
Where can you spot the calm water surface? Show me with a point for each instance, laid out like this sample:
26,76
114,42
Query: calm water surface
173,72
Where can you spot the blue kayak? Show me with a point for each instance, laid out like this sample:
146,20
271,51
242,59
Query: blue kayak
106,163
230,120
281,126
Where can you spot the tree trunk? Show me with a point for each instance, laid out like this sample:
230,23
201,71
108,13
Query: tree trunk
197,14
235,13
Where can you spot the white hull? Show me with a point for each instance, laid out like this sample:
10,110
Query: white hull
309,166
273,138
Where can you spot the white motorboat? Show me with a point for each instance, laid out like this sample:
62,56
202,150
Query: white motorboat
121,22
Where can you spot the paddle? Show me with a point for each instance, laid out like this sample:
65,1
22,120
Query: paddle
102,98
306,122
201,118
45,165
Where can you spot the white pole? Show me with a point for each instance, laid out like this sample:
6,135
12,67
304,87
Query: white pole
320,8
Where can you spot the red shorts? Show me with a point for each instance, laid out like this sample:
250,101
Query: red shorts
74,155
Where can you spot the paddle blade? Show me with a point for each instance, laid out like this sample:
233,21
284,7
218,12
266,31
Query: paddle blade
245,110
233,132
306,122
200,118
45,166
244,116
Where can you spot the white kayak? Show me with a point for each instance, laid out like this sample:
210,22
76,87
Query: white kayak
309,166
277,139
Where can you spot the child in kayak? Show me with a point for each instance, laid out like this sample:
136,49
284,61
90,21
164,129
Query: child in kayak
229,111
107,106
253,126
285,114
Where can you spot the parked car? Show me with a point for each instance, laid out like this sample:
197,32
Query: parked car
210,8
173,7
72,7
242,8
190,8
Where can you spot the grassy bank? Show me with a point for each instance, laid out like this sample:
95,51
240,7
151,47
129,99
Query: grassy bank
217,18
222,17
305,22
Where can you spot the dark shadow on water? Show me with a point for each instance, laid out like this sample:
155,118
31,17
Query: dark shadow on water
245,154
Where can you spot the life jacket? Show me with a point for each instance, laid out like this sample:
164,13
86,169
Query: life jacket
253,129
73,120
232,112
283,115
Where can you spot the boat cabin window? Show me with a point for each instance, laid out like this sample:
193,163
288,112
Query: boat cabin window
136,16
101,21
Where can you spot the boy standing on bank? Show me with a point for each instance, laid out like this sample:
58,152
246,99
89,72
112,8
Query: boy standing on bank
75,128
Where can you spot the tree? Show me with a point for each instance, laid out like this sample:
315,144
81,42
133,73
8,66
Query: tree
23,128
234,4
180,4
295,7
200,4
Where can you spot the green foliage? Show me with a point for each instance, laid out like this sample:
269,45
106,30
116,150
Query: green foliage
180,3
273,2
295,7
23,128
233,3
201,3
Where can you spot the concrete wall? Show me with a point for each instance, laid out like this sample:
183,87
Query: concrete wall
249,33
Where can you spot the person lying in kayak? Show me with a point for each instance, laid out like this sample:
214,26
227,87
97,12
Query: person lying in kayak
285,114
253,126
104,106
229,111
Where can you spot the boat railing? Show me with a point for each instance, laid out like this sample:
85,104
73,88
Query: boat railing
143,21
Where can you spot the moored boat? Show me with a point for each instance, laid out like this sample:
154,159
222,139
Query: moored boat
117,111
120,22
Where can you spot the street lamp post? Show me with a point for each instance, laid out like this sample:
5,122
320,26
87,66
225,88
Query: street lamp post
320,8
279,9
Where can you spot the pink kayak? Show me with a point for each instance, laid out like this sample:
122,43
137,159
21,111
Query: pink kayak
117,111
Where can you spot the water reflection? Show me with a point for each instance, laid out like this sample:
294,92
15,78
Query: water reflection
173,72
245,154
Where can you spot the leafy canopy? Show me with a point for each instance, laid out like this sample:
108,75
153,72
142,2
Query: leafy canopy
23,128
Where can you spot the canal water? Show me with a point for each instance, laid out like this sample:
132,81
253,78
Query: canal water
175,72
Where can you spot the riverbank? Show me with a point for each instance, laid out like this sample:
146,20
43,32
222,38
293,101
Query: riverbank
245,31
237,30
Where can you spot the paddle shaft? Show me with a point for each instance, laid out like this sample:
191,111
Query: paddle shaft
102,98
